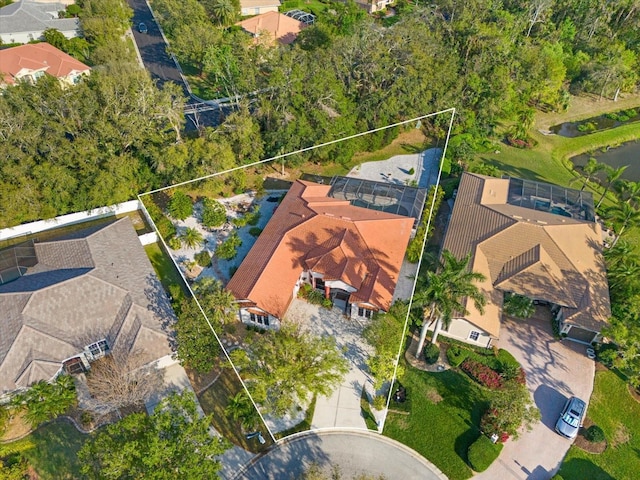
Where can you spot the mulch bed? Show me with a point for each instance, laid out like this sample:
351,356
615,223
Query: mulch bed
583,444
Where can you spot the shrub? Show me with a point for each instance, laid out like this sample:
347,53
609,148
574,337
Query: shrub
175,243
515,373
456,355
414,250
254,217
213,213
594,434
315,296
379,402
518,306
304,290
240,221
180,205
166,228
412,171
228,249
557,476
482,453
506,359
327,303
431,353
607,353
255,231
203,258
482,374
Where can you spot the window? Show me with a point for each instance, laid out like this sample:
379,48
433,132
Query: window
261,319
474,335
365,312
98,349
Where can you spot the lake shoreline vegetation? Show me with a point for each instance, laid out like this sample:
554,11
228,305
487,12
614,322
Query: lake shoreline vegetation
511,70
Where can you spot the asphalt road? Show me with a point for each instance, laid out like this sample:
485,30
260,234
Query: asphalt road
161,67
353,453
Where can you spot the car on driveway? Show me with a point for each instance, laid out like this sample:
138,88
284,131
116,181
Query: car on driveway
571,417
142,27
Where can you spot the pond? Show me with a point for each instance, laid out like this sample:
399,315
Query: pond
626,154
596,124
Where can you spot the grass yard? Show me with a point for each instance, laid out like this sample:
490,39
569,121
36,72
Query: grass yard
214,401
444,411
51,451
164,267
612,408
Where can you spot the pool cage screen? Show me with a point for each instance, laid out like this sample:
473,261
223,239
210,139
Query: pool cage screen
554,199
387,197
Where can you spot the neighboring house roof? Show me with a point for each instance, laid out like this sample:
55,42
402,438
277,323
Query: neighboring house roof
27,16
311,231
259,3
278,26
23,60
97,283
531,252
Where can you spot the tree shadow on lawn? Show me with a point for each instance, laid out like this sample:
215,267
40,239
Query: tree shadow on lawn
580,469
512,171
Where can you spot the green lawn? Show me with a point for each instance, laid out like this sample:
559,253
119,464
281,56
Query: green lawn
618,414
52,450
440,429
164,267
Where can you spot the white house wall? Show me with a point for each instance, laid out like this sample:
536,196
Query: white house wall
460,329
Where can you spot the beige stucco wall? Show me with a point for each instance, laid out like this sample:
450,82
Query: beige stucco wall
460,329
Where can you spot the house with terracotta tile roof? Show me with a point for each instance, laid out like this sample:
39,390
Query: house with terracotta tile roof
68,301
29,62
352,254
26,20
273,26
532,239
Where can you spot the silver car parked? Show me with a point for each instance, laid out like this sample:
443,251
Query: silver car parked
571,417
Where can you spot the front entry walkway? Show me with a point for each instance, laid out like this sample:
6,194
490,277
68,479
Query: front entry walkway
342,408
555,370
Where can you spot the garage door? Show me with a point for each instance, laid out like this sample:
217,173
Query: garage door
581,335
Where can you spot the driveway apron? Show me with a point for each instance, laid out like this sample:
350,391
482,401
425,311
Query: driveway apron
555,371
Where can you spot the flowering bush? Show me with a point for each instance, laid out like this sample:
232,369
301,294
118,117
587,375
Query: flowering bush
482,374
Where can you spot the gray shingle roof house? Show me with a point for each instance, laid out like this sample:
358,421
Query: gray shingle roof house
25,20
69,300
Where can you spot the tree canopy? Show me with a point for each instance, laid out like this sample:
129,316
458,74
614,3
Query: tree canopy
173,442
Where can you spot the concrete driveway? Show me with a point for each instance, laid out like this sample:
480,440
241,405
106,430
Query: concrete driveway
353,453
555,371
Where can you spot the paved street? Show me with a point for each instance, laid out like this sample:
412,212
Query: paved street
555,371
159,64
354,453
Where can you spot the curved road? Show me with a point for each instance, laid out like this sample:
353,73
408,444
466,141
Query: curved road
353,452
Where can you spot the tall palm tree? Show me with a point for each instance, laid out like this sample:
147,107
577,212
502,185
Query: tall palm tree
223,11
622,216
216,301
589,172
444,292
627,191
613,175
191,238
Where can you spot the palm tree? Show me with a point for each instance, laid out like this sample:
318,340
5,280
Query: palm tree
216,301
613,175
444,292
622,215
627,191
223,11
589,172
191,238
242,410
518,306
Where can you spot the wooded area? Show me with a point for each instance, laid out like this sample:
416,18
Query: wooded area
116,134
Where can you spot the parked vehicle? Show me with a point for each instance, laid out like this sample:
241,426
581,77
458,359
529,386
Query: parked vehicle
571,417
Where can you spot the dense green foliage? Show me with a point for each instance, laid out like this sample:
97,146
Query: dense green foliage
228,249
176,440
594,434
518,306
180,205
429,212
45,401
286,367
213,213
431,353
482,453
384,333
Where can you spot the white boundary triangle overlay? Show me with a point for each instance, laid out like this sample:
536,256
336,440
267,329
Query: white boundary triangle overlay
277,157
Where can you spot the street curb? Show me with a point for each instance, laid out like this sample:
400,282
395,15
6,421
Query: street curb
338,431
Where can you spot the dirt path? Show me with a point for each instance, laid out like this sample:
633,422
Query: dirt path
585,106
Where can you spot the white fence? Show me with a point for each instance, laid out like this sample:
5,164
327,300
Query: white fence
70,219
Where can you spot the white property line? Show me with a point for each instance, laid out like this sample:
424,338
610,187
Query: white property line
277,157
302,150
415,281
